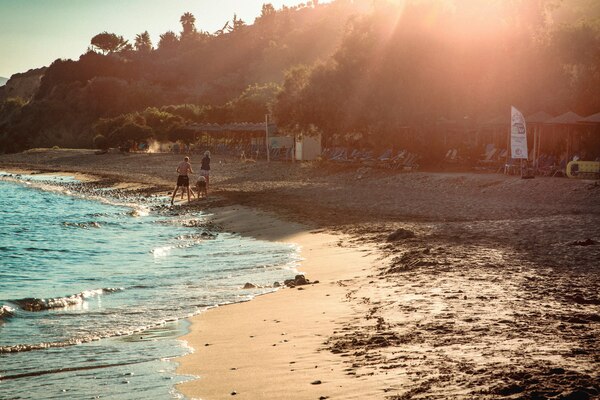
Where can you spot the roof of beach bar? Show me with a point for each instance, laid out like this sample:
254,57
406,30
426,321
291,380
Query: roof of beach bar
235,127
592,119
498,120
568,118
538,118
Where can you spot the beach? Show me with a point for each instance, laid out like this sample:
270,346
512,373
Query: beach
431,284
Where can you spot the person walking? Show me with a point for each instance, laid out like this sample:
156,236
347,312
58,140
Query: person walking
205,168
183,181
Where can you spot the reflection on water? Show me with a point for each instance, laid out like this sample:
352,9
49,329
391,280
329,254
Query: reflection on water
94,297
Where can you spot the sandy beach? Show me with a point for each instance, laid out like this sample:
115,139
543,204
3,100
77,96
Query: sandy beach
450,284
273,344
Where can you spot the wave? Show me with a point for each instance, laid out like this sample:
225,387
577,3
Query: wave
70,369
160,252
36,304
6,312
139,211
20,348
83,225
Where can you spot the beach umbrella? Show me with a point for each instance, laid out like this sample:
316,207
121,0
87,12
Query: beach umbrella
567,122
536,121
593,119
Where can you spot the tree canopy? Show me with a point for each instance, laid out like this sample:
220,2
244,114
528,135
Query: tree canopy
344,67
110,43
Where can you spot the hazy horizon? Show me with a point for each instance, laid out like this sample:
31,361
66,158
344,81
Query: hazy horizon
37,32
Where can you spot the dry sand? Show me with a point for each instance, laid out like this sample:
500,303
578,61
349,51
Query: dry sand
489,287
273,346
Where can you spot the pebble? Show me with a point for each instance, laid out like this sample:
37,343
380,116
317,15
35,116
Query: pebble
317,382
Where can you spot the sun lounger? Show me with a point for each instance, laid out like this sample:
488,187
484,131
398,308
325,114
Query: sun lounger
451,156
385,156
340,155
410,162
396,161
560,169
488,157
512,167
367,156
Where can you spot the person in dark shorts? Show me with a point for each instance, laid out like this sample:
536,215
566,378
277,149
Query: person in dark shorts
205,168
183,180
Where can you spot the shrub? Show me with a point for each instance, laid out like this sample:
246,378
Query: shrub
101,142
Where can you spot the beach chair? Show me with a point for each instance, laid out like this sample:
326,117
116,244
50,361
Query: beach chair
544,164
451,156
367,156
489,159
396,161
274,153
383,161
512,166
410,162
355,155
385,156
561,168
340,155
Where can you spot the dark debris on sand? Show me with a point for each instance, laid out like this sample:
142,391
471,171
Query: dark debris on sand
480,309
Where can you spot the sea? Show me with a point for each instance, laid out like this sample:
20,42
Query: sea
95,290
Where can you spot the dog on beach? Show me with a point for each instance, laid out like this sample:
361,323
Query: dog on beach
201,186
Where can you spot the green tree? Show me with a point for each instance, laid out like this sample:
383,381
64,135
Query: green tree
168,41
289,101
182,134
11,105
224,29
188,23
109,43
267,10
254,102
143,43
161,122
236,24
130,132
101,142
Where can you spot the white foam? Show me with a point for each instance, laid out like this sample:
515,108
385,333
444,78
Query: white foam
162,252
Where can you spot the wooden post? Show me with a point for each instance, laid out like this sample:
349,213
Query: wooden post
267,137
534,157
508,153
294,149
539,146
568,144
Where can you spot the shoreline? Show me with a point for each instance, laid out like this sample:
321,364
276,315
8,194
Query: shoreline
476,285
274,346
308,347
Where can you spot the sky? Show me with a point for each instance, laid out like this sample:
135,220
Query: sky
34,33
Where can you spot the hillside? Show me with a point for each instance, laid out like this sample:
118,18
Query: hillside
3,80
24,85
360,73
193,67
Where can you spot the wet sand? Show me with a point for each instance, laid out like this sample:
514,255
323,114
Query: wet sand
476,285
273,347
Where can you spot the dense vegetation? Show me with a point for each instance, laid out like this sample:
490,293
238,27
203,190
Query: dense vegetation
372,69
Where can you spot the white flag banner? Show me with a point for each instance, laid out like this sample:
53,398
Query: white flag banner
518,134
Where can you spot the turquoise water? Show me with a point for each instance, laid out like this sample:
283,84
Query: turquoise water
94,294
